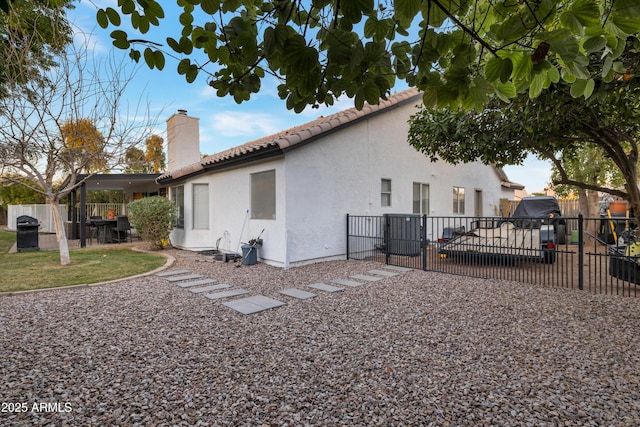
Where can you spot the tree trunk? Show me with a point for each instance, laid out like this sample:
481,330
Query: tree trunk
61,234
588,209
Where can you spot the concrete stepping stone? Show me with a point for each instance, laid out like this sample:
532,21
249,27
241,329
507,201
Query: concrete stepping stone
253,304
383,273
172,273
192,283
297,293
324,287
346,282
227,294
396,268
184,277
365,277
210,288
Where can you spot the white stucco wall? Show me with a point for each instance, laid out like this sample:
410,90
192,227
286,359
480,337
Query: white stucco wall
342,174
321,182
229,219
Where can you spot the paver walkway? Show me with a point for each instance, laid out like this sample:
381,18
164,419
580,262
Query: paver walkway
195,283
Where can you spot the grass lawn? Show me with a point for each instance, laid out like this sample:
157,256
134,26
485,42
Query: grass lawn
41,269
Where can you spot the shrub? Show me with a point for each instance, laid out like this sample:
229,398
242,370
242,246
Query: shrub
153,217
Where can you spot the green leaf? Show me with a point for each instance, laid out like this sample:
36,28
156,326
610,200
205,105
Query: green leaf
135,55
578,88
209,6
127,6
407,9
628,8
570,21
510,29
505,91
101,17
159,59
183,66
562,42
586,11
191,74
588,89
536,85
149,58
627,24
594,44
498,69
120,39
113,15
353,10
173,44
377,29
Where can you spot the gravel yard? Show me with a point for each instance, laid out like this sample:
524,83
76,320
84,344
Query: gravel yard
417,349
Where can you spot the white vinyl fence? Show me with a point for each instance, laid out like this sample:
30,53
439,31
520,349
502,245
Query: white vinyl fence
41,212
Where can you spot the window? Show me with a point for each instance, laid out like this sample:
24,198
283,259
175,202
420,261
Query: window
385,192
420,198
178,198
263,195
458,200
478,203
201,206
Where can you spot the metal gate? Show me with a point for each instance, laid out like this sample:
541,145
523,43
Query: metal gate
590,254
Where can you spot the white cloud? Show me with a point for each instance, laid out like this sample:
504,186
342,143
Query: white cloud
236,123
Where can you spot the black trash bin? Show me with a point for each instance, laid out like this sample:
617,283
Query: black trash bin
27,233
249,254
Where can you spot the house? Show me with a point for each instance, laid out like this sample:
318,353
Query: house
295,188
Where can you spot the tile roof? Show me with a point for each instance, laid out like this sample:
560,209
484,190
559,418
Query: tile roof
289,138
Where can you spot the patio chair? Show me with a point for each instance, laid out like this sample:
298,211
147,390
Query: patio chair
93,227
122,230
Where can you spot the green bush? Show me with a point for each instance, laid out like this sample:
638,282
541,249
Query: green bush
153,218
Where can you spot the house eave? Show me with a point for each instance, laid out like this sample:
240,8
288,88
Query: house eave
228,163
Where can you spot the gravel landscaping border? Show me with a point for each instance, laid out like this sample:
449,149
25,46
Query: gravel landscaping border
421,348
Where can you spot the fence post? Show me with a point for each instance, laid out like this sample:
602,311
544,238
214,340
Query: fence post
387,234
423,242
580,252
347,236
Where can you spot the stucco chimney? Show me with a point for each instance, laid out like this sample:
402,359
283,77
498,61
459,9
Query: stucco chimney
183,140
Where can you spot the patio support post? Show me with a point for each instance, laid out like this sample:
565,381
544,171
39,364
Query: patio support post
83,215
74,215
580,252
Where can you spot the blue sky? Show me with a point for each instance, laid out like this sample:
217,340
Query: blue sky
223,123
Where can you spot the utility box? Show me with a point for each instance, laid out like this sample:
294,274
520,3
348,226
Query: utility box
402,234
27,233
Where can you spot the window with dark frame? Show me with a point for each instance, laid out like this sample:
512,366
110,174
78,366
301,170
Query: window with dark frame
420,198
385,192
201,206
458,200
263,195
178,198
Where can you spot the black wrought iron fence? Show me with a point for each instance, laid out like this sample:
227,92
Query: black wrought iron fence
595,254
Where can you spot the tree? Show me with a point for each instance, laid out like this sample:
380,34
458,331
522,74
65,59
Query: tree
38,30
35,114
588,164
556,125
84,143
459,53
152,160
135,161
155,153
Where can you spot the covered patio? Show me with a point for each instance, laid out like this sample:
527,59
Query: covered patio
133,187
